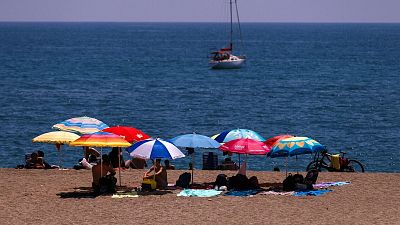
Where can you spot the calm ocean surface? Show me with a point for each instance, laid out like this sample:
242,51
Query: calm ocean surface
336,83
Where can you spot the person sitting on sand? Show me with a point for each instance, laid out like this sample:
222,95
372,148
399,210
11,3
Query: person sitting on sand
160,174
103,176
136,163
116,159
168,166
46,165
34,162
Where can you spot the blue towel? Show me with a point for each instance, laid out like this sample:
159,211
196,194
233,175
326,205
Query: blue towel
241,193
199,193
311,193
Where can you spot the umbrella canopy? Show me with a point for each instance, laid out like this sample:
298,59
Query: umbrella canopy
245,146
230,135
130,134
155,149
274,140
81,125
56,137
101,139
194,141
295,146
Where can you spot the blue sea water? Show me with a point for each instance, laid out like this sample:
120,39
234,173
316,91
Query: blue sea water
336,83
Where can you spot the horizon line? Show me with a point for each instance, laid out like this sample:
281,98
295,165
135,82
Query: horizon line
282,22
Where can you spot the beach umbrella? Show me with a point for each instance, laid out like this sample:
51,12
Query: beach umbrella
245,146
295,146
230,135
155,149
194,141
130,134
101,139
81,125
271,142
57,138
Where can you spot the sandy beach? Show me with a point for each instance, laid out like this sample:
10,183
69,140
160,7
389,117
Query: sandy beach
62,197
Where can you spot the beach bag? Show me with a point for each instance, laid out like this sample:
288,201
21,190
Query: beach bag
288,183
335,161
238,182
221,181
184,180
149,185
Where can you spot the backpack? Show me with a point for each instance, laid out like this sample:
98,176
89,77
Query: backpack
298,178
238,182
184,180
289,183
221,181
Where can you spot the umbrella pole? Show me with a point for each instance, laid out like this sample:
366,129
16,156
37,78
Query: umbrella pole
287,159
239,160
101,161
192,166
119,166
297,168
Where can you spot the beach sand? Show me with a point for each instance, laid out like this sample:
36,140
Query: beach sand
61,197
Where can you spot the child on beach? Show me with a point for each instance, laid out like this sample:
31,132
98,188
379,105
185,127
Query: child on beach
103,176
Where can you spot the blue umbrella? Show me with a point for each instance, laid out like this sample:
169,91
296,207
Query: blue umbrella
230,135
194,141
295,146
81,125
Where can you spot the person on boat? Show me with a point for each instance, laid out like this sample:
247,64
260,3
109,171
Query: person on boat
160,174
103,176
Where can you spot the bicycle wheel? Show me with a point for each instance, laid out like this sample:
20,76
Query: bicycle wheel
354,166
320,166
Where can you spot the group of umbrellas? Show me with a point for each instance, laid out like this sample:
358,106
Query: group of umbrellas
90,132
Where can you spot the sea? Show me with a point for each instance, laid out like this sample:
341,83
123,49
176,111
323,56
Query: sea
335,83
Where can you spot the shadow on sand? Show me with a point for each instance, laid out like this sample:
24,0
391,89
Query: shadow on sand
87,192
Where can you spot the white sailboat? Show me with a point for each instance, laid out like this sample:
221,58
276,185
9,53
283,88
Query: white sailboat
224,58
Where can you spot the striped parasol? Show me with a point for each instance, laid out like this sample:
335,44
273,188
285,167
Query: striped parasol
81,125
101,139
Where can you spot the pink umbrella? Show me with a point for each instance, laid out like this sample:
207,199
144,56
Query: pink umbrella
245,146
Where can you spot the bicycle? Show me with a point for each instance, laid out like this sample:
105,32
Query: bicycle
323,162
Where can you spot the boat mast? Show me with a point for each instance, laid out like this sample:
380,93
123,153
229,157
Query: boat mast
238,20
230,44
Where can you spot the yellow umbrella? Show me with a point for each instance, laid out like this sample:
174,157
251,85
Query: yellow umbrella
56,137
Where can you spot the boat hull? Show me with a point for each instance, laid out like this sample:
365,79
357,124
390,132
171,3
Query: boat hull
227,64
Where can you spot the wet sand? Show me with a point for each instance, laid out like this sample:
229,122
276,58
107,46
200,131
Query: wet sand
64,197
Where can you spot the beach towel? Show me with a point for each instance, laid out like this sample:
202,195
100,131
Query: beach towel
241,193
125,195
277,193
330,184
311,193
199,193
